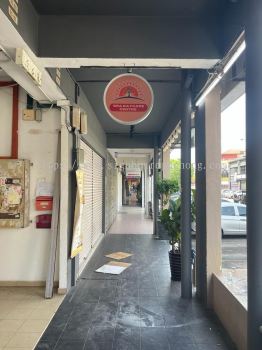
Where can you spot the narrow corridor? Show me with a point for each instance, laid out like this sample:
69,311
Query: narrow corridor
140,309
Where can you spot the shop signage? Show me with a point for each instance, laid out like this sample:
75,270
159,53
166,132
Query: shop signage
128,99
133,174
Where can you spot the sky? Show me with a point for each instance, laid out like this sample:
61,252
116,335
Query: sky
233,125
233,128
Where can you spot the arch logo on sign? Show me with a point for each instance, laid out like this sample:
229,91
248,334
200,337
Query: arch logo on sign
128,99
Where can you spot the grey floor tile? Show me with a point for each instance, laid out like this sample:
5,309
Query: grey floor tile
100,338
128,314
141,309
154,339
215,347
127,339
104,315
68,344
185,346
179,335
45,345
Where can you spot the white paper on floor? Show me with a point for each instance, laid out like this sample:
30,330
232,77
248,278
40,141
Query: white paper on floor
111,269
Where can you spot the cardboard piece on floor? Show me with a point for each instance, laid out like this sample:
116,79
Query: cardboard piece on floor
118,255
111,269
118,263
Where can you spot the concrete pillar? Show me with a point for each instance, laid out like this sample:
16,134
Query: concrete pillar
254,170
146,190
186,277
155,194
143,187
200,204
166,164
208,194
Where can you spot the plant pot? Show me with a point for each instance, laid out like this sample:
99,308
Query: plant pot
162,232
175,265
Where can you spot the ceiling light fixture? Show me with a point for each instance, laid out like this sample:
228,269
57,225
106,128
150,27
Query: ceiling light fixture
209,87
222,68
235,57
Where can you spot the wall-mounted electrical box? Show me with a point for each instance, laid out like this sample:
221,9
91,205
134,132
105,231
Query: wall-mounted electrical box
44,221
29,114
76,117
14,193
83,128
44,203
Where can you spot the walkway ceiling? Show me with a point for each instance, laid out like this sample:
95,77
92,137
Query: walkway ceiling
81,34
127,8
165,84
178,33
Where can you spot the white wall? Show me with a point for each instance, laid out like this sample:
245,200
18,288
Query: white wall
119,190
231,312
24,252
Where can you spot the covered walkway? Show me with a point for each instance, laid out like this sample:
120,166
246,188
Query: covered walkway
140,309
131,220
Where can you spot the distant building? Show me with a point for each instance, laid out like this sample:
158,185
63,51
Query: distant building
226,158
237,174
232,154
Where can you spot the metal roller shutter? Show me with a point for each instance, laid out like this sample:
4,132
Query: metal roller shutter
92,219
97,198
87,220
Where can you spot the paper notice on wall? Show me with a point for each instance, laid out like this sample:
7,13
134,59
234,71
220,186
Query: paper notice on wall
44,189
77,241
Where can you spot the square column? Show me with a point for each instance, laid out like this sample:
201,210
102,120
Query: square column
208,194
186,238
166,164
155,179
254,171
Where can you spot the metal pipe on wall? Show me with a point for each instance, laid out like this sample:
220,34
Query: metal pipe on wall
14,144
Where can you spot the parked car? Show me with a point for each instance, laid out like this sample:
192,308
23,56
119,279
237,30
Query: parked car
227,194
175,196
237,196
227,200
233,219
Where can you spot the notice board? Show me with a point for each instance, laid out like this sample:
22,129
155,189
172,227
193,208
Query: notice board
14,193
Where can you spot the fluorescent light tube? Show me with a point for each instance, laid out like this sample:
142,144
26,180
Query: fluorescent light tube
235,56
210,87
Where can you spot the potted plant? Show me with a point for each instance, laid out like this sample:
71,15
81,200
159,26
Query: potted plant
171,220
165,188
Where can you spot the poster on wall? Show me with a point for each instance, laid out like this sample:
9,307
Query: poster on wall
77,241
14,193
128,99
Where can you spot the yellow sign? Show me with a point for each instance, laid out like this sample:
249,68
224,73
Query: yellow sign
77,242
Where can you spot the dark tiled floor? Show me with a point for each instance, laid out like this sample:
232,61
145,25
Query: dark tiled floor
139,310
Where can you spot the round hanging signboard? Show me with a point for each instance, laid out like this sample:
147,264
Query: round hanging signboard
128,99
